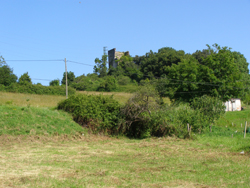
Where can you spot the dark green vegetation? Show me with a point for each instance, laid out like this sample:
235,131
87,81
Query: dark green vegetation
216,71
144,115
98,112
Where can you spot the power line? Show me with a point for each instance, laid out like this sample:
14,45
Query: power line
38,60
80,63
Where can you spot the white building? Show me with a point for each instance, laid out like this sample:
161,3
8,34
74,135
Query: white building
233,105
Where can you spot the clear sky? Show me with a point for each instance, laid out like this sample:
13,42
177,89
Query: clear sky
79,29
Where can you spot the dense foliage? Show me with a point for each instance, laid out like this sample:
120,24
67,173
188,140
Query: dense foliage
99,113
6,73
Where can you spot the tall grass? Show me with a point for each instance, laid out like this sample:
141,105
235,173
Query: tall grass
21,99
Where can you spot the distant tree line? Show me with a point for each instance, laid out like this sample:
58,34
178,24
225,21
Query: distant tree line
215,71
10,82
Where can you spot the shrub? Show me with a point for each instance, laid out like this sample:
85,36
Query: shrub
109,84
123,80
55,82
138,112
210,108
99,113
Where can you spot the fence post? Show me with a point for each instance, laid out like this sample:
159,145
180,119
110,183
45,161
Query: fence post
188,127
245,130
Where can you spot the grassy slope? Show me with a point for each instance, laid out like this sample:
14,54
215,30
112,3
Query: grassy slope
16,120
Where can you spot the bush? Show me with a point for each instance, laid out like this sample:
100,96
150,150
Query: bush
99,113
138,112
109,84
123,80
2,87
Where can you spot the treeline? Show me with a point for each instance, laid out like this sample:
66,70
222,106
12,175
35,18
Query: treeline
215,71
10,83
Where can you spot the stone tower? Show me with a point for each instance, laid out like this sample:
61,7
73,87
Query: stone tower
113,56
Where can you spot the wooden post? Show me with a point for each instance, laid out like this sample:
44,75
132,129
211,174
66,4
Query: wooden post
245,130
188,127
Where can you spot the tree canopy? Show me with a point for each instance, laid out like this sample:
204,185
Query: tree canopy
25,79
216,72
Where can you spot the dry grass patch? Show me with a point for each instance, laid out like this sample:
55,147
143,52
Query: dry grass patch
21,99
99,161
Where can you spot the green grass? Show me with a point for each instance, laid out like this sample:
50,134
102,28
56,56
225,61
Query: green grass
36,153
234,119
96,161
15,120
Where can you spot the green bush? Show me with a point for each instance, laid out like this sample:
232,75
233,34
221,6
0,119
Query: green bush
123,80
109,84
2,87
97,112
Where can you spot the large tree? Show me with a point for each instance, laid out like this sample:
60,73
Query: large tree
70,78
156,64
215,74
6,73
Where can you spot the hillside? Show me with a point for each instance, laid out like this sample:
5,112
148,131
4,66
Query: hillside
15,120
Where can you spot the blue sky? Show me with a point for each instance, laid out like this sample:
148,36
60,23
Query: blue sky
78,30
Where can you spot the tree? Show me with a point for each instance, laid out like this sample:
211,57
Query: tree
55,82
126,67
156,64
101,66
216,75
70,76
2,61
7,77
25,79
109,84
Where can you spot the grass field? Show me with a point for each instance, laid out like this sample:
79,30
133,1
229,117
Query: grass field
96,161
43,147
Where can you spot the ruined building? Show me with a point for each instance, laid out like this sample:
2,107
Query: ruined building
114,55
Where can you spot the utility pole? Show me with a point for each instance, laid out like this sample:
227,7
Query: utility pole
105,50
66,78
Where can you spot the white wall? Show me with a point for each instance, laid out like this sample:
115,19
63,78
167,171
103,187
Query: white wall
233,105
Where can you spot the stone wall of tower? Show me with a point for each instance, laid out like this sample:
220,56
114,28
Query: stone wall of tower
114,55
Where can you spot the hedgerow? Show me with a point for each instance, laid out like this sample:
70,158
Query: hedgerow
37,89
144,114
